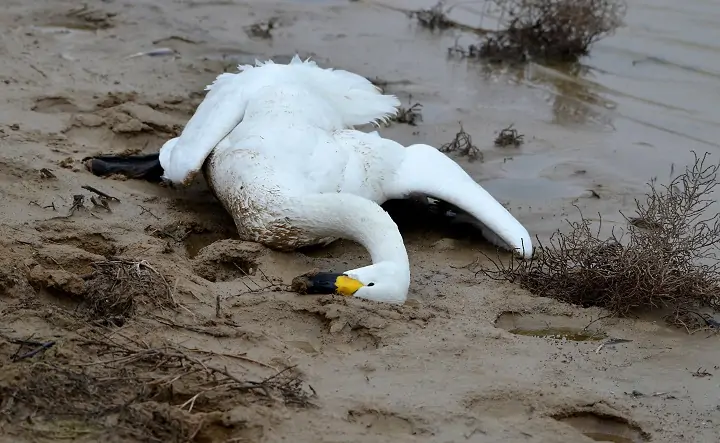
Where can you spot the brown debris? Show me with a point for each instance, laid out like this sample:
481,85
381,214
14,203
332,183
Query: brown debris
103,384
462,144
301,283
557,30
412,115
434,18
117,287
509,137
262,29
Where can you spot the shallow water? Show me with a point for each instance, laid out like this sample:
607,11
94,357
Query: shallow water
631,111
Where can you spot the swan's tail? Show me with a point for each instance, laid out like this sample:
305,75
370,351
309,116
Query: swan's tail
354,97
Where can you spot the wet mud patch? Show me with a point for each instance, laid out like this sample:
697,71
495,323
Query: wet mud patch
196,241
312,323
94,243
315,329
67,257
13,280
604,427
80,18
201,212
226,260
122,122
386,422
57,287
192,236
55,104
549,326
84,18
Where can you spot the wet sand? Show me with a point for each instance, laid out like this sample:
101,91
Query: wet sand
439,369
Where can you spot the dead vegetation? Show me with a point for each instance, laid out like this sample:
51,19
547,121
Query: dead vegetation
433,18
104,383
412,115
463,145
549,30
557,30
113,292
668,261
263,29
509,137
117,287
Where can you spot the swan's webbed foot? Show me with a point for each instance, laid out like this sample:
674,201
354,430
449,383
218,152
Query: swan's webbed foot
319,283
140,167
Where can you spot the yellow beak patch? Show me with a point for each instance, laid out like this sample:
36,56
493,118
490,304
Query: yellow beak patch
347,286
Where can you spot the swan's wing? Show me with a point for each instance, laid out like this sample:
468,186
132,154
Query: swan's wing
428,171
221,110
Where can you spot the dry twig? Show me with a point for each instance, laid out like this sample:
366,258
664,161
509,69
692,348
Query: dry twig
462,144
509,137
411,115
118,286
136,390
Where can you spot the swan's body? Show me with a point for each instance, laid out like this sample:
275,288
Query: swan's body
276,146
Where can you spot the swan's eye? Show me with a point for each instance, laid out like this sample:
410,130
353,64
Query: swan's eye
370,284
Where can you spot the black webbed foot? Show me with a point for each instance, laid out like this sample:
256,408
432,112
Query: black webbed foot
140,167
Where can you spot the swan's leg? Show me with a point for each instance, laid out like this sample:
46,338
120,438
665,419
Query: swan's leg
141,167
426,170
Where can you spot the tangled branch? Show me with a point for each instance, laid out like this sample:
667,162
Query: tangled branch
560,30
666,258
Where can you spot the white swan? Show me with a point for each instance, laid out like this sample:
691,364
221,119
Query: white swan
277,149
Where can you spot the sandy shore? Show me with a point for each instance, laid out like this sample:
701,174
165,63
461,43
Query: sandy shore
443,368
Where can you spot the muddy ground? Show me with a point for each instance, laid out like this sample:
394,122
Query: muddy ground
146,320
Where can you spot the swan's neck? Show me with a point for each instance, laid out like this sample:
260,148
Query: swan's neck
353,218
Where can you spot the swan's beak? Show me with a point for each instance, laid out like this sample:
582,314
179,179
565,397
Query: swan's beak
327,283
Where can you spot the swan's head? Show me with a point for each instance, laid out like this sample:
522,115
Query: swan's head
386,282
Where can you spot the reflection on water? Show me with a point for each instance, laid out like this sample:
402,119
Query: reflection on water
661,71
575,98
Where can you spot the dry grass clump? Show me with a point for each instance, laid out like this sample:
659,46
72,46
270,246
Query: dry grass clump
509,137
462,144
666,258
412,115
105,383
117,287
263,29
433,18
558,30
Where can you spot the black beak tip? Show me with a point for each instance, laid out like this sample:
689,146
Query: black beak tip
315,283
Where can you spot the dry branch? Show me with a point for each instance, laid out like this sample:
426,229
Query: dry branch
668,261
549,30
